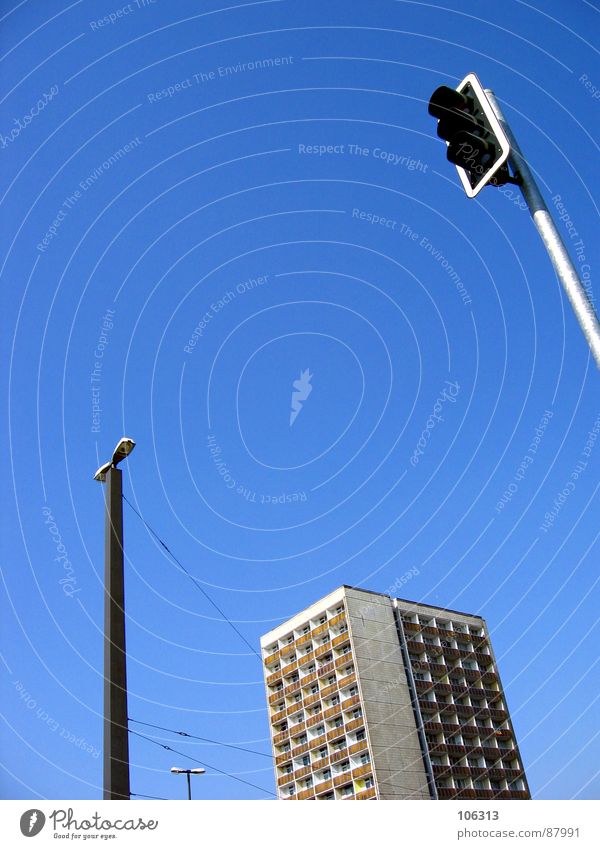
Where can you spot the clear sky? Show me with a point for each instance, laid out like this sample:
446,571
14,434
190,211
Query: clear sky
201,201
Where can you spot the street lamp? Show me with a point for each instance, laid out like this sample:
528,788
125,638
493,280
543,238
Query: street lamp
116,734
178,771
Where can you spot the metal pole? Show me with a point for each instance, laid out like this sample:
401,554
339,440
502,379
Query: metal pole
116,738
557,251
189,786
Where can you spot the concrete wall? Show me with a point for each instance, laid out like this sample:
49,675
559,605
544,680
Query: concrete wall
397,757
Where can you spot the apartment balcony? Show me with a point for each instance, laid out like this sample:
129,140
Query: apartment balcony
366,794
483,658
312,699
323,787
434,668
317,741
341,640
304,770
276,697
513,794
324,670
341,617
306,658
314,720
413,627
299,750
320,764
327,691
361,746
289,649
277,717
320,629
285,779
415,646
498,715
450,653
350,702
292,688
274,678
336,733
453,793
434,727
291,667
332,712
349,679
489,678
280,737
283,758
335,757
359,771
324,649
343,660
306,794
344,778
272,658
304,640
355,723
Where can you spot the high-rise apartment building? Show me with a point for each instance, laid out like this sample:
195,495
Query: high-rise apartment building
374,697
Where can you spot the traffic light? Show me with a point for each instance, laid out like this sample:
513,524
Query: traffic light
477,144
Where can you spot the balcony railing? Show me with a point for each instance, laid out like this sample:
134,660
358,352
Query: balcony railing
323,787
355,723
359,771
348,703
349,679
328,667
361,746
274,677
341,640
336,733
339,618
366,794
304,770
344,778
317,741
314,720
272,658
338,756
306,794
344,659
312,699
327,691
283,757
321,650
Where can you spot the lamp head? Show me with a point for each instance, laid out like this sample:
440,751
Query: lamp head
101,473
124,448
176,770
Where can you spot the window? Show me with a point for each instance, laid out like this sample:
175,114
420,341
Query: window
306,760
338,722
306,629
435,760
365,759
353,691
291,789
347,790
479,784
287,769
326,774
322,753
460,783
369,783
314,690
360,735
322,620
340,609
290,639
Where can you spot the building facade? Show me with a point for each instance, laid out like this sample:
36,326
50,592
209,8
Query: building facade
373,697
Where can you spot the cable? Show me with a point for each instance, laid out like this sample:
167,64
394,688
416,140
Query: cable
204,739
191,577
202,763
145,796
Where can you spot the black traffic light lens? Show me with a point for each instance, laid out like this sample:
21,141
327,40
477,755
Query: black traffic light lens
454,121
471,152
444,98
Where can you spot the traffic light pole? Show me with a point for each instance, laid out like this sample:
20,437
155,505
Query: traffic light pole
557,251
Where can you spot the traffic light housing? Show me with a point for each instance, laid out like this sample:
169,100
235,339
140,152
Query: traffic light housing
477,144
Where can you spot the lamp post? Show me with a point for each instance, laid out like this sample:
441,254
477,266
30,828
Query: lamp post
116,734
177,771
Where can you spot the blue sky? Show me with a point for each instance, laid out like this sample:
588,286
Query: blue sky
191,205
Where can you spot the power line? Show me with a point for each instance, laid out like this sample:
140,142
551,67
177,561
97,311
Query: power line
202,763
191,577
204,739
145,796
